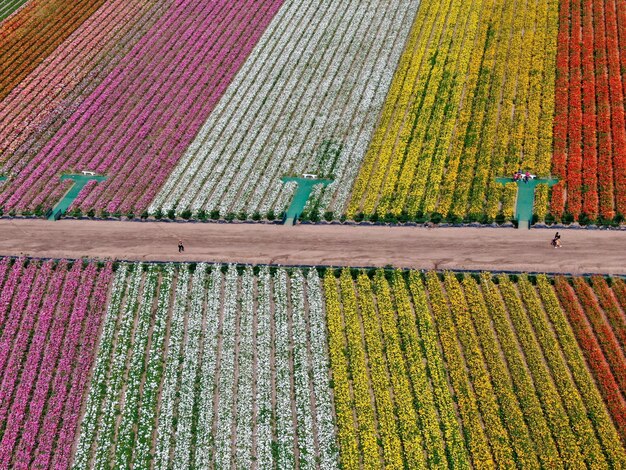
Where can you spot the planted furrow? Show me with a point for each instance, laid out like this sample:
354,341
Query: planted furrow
552,403
527,394
598,413
596,360
570,395
476,439
486,340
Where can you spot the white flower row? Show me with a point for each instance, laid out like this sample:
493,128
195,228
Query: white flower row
116,375
207,376
165,425
244,381
154,373
264,372
223,453
199,158
321,72
184,436
315,124
97,390
284,421
371,92
129,408
320,365
306,442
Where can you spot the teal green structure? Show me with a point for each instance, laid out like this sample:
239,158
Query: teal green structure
79,183
526,197
2,178
303,191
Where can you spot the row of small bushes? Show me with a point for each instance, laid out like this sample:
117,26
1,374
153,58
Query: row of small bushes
315,216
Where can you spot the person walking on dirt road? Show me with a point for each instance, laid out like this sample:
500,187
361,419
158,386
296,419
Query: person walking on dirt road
181,247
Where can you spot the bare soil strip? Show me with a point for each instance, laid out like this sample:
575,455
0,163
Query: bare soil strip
494,249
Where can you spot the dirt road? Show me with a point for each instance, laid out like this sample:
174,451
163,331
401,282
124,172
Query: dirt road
496,249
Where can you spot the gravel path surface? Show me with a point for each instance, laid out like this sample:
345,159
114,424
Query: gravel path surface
496,249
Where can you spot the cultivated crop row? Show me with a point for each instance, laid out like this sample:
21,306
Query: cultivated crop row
472,99
32,112
598,340
209,368
589,127
30,35
50,315
136,124
7,7
446,371
306,101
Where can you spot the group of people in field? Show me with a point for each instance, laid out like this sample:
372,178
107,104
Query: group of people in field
519,176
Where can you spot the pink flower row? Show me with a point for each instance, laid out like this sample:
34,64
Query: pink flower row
46,348
49,94
135,126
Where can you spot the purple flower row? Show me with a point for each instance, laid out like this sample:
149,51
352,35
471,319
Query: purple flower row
135,126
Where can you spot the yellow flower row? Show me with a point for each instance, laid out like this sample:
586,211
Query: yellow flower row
407,417
457,452
520,376
346,433
570,395
443,79
478,373
475,434
425,401
484,339
392,446
393,122
428,178
472,99
553,407
592,399
543,157
442,196
505,110
358,370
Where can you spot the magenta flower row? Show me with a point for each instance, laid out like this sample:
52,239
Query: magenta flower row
46,351
32,112
136,125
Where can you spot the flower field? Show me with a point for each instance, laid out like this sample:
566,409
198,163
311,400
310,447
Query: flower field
589,126
411,107
50,314
135,124
212,366
453,371
306,101
472,99
209,368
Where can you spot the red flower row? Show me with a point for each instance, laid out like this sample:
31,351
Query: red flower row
594,355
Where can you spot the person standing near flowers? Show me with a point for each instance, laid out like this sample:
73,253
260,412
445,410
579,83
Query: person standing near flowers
181,247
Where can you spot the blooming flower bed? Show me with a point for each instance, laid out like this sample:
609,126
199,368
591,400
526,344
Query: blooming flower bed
589,128
50,317
136,123
306,100
471,100
235,372
197,365
457,370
